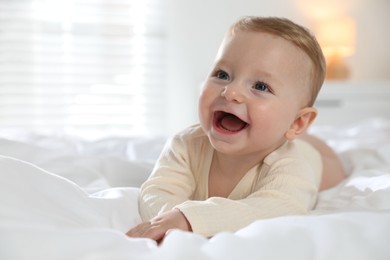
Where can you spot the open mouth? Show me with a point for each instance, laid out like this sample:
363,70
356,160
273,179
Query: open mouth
228,122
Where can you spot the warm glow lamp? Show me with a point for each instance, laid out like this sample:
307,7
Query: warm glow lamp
337,39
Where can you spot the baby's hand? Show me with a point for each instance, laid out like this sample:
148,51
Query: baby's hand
158,226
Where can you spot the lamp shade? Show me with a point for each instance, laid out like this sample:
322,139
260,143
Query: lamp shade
337,36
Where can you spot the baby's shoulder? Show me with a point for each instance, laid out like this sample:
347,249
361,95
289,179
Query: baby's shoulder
191,143
190,134
296,150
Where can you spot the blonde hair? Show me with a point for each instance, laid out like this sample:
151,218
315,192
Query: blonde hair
294,33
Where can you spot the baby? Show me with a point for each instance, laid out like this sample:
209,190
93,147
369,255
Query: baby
245,160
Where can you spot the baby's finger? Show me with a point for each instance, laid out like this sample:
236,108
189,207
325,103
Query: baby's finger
154,232
138,230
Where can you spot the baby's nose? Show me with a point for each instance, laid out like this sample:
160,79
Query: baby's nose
233,93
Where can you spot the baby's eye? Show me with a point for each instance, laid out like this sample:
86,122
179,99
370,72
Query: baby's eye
261,86
222,75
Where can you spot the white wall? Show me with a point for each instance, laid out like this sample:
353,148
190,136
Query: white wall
196,28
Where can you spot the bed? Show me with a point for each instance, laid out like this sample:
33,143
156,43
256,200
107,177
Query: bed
62,197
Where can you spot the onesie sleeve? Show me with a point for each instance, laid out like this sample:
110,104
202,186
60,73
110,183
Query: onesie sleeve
288,186
171,182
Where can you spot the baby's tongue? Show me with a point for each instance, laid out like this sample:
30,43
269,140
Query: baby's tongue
232,123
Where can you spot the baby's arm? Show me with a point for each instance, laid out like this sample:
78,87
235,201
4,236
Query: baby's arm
285,190
170,184
279,194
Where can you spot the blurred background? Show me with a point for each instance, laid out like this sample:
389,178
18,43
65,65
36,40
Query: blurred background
98,68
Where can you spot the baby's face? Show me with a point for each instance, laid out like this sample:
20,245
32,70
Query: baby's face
254,92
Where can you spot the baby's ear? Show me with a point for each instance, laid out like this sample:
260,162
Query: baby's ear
301,123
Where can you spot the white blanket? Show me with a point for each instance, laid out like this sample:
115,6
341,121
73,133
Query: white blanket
46,216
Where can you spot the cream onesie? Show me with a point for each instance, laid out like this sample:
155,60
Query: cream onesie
286,183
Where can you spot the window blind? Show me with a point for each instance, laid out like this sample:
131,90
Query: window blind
91,68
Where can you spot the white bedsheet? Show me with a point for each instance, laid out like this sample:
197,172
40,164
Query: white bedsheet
76,209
